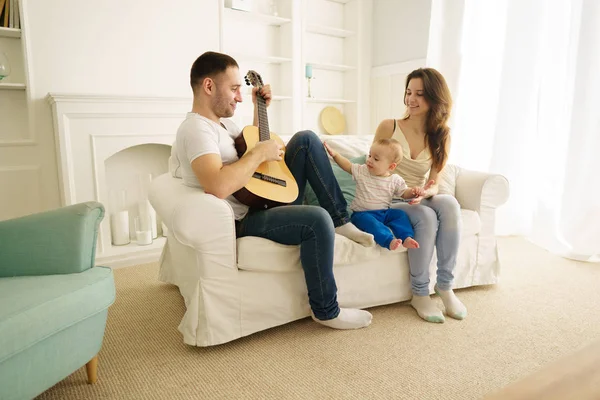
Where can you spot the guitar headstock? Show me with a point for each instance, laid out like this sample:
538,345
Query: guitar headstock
253,78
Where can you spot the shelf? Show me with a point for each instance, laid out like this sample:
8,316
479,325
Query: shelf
12,86
331,67
323,100
326,30
10,32
257,17
261,59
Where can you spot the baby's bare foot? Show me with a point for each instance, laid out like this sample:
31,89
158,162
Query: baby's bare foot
394,244
410,243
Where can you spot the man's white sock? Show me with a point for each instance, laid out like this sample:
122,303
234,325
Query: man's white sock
454,307
353,233
426,309
348,318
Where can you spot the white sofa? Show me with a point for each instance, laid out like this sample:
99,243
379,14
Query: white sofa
233,288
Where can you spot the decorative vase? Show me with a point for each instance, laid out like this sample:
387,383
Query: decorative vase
4,66
147,213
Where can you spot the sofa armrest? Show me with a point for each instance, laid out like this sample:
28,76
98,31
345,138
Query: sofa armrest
483,193
60,241
475,190
207,224
197,220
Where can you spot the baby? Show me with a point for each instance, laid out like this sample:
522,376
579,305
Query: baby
376,186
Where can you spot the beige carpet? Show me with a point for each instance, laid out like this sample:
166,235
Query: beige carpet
544,308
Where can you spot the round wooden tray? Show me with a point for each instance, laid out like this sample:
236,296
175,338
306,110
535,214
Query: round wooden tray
333,121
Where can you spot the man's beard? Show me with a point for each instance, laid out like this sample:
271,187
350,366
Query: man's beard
222,108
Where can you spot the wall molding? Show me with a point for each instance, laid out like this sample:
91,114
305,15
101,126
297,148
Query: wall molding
54,98
89,129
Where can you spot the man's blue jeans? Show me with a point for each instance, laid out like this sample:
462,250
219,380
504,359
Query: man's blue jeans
311,227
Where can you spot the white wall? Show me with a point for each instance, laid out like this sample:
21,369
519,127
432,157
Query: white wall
127,47
123,47
400,45
400,30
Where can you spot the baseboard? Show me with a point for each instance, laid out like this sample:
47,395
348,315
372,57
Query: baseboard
129,260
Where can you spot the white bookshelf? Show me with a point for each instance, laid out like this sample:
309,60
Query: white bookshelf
329,31
256,17
14,118
327,34
264,42
10,33
330,67
332,36
329,101
11,44
12,86
266,59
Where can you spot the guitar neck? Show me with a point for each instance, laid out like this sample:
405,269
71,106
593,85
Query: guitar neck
263,121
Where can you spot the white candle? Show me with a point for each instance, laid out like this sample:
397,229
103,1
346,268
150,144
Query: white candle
143,237
119,228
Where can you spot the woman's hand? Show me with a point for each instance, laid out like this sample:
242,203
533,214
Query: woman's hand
423,193
331,152
265,93
415,192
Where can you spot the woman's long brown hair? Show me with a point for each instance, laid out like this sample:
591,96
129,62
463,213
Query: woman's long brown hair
437,95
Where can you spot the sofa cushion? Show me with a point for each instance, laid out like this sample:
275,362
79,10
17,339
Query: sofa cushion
35,307
253,251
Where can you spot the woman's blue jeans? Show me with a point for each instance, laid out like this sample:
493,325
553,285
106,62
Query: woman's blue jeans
311,227
437,223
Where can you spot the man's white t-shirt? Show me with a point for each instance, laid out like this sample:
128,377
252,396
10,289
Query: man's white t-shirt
375,192
198,136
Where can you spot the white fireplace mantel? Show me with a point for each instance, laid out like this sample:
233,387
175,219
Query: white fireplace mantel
91,128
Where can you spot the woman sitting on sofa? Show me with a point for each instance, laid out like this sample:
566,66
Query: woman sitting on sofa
425,138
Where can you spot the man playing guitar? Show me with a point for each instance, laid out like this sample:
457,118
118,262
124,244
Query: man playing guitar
209,160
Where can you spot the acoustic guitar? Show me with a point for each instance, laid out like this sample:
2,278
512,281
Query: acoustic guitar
272,184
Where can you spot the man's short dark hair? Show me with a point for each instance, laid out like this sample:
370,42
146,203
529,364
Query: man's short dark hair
208,65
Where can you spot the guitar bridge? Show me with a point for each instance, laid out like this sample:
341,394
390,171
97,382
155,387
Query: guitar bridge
270,179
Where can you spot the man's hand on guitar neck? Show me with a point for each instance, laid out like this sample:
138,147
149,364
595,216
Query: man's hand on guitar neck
265,93
268,150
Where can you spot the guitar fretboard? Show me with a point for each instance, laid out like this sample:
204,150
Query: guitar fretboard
263,121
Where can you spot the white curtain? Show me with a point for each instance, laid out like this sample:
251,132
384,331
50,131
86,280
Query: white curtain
525,78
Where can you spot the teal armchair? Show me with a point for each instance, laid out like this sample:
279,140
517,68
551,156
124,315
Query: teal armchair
53,300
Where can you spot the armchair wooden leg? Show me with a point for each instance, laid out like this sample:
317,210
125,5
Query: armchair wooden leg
92,369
